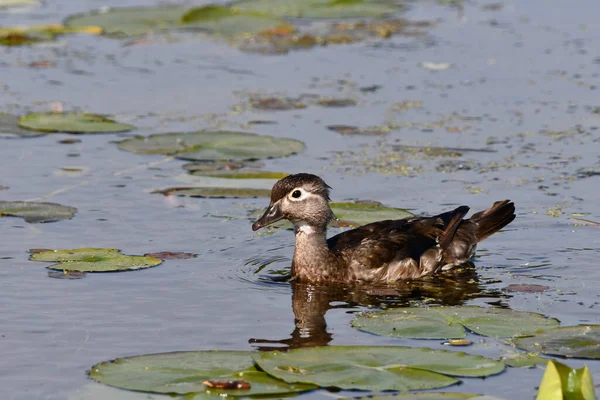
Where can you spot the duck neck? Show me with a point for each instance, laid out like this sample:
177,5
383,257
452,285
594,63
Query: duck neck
312,256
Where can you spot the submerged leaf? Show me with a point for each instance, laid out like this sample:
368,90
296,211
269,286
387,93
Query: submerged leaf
569,341
208,146
34,213
71,123
450,322
94,260
185,372
375,368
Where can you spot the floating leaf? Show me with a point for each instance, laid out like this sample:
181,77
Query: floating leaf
520,360
361,213
18,3
215,192
569,341
94,260
185,372
230,22
34,213
375,368
66,274
212,166
243,174
71,123
9,128
319,8
24,35
561,382
354,130
172,255
526,288
207,146
327,102
130,21
418,396
450,322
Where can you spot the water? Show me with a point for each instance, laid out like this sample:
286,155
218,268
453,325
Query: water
516,72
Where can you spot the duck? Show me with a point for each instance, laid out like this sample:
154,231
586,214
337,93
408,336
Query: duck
380,252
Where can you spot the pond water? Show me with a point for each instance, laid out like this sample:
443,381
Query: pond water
523,82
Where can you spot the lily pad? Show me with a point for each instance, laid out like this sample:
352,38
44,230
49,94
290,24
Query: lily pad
130,21
34,213
521,360
419,396
229,22
243,174
361,213
215,192
569,341
71,123
562,382
185,372
94,260
450,322
375,368
9,128
208,146
18,3
314,9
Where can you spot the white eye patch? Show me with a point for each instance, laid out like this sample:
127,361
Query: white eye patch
298,194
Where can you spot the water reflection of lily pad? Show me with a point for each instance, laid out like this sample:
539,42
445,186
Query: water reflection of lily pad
215,192
185,372
319,8
569,341
34,213
94,260
230,22
375,368
450,322
219,145
71,123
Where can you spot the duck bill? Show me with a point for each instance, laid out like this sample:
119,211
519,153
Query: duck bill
273,214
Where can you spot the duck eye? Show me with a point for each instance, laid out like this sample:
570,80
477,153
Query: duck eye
296,194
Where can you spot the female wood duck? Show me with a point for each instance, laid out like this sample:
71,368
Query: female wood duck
379,252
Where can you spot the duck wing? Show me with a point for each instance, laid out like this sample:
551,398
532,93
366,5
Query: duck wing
397,249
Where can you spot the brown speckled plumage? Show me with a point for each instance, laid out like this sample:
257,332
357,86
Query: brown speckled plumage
383,251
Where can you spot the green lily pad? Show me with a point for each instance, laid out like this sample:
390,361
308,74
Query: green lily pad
215,192
562,382
34,213
9,128
18,3
208,146
375,368
569,341
419,396
520,360
361,213
185,372
229,22
130,21
242,174
450,322
314,9
71,123
94,260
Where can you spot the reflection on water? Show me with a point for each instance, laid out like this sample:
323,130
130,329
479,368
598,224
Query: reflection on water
310,303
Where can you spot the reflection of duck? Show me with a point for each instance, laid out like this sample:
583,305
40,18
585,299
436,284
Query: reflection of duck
380,252
310,303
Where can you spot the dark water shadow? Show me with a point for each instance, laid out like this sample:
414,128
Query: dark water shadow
310,303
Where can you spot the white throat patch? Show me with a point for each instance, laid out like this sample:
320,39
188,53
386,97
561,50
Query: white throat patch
304,228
